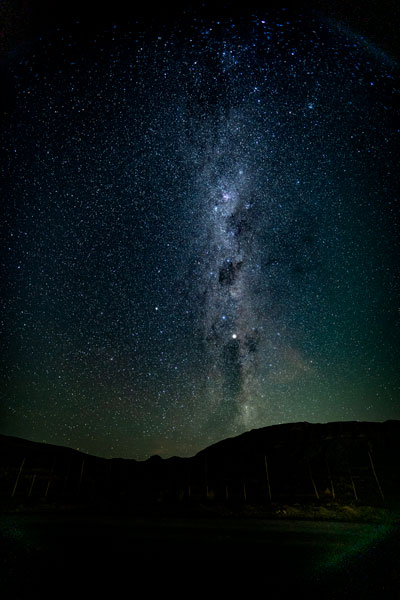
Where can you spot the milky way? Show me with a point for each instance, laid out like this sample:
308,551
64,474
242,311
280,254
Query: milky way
200,233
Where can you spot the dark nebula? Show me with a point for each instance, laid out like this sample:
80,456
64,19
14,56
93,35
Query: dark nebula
200,231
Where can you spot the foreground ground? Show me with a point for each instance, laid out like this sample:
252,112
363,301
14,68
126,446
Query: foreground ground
340,560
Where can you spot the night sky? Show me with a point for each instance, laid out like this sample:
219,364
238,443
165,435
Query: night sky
199,230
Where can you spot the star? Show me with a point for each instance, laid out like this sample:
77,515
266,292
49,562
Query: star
224,190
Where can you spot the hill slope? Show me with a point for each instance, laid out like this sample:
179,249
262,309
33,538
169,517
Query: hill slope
299,463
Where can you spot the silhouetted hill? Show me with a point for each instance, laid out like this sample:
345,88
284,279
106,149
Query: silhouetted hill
293,464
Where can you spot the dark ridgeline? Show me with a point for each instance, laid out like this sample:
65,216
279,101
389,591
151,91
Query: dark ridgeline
300,463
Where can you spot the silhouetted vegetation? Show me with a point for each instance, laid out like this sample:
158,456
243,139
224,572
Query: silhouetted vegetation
345,463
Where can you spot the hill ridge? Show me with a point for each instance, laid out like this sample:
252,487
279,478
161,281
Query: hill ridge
301,462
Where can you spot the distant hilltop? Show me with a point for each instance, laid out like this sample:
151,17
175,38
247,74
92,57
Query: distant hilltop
298,463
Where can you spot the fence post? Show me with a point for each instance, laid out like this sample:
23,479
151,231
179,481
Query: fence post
48,483
312,481
32,484
205,475
18,476
267,474
331,480
81,476
66,477
375,475
353,485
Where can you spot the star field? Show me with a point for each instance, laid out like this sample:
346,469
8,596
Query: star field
200,232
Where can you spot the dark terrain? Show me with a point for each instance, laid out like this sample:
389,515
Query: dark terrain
299,464
319,503
338,560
